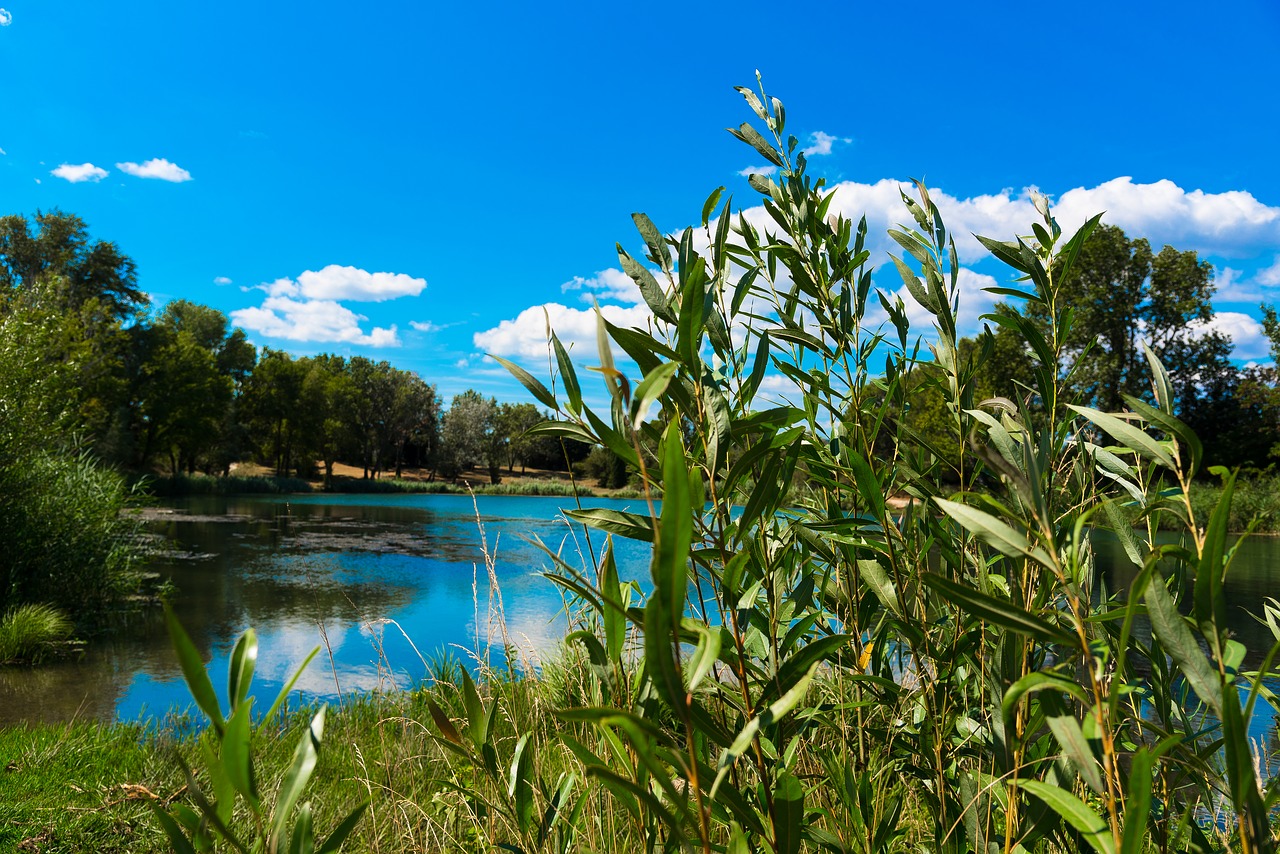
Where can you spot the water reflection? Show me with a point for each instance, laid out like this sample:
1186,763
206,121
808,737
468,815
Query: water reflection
384,582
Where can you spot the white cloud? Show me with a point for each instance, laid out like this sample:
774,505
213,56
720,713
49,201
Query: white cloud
2,151
820,143
311,320
1246,333
610,284
221,280
1271,275
526,335
758,170
308,308
428,326
157,168
5,18
351,283
1229,224
83,172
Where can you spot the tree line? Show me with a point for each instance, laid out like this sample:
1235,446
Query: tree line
1118,294
181,390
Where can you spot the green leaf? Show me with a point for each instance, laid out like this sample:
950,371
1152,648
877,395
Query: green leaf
236,761
1032,683
633,526
302,840
768,717
567,375
1066,729
240,668
178,839
1170,627
675,533
1074,812
788,808
999,611
709,206
875,577
340,833
654,296
995,532
752,137
705,655
1126,434
658,252
651,388
193,669
529,381
296,778
520,786
1137,804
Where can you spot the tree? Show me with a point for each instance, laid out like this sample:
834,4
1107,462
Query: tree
514,419
194,371
469,435
58,250
275,408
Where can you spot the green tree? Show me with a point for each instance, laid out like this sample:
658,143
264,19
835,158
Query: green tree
276,410
469,435
514,419
55,249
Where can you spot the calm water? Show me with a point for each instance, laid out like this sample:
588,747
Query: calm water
389,580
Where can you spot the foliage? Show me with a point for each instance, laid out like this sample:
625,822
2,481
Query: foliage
605,467
808,658
230,784
28,632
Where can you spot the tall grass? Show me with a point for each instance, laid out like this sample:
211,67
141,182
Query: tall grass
28,633
66,542
814,670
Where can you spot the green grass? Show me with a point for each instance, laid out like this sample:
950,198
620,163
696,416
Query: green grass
29,632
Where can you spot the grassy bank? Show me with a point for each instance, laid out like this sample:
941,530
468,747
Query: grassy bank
183,485
90,787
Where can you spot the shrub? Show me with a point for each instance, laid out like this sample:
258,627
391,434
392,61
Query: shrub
809,658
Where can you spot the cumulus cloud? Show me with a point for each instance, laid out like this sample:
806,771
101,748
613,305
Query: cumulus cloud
820,143
610,284
335,282
79,173
221,280
1270,276
5,18
157,168
1246,334
526,336
321,321
308,308
1228,224
426,326
758,170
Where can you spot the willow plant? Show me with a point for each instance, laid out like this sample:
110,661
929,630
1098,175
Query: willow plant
817,667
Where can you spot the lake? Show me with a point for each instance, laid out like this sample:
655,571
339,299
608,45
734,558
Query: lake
386,584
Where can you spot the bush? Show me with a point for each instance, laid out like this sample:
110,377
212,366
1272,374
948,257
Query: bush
66,541
813,669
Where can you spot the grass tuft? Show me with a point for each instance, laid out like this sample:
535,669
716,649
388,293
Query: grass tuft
29,632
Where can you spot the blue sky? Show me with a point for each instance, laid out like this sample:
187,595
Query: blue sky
413,181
